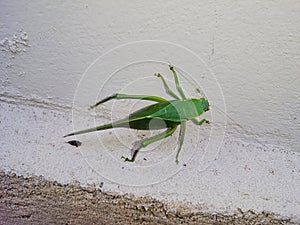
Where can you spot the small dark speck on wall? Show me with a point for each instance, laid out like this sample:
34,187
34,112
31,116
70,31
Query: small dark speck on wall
74,143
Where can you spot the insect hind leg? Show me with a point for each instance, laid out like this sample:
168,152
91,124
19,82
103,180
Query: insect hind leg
143,143
125,96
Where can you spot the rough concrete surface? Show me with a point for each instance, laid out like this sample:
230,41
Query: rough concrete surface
37,201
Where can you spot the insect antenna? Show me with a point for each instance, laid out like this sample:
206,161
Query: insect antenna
249,133
184,74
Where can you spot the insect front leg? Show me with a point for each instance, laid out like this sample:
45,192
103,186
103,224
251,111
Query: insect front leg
143,143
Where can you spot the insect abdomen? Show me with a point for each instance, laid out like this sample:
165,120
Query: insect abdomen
148,124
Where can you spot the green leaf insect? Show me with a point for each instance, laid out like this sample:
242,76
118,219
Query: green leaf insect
163,114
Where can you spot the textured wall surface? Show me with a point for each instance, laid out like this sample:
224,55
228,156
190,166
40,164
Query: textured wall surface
57,58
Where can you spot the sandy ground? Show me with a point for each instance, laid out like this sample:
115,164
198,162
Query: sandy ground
37,201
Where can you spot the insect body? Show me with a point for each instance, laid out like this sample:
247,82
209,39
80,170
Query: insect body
163,114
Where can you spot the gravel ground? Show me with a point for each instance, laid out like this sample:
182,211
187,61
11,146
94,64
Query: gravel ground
37,201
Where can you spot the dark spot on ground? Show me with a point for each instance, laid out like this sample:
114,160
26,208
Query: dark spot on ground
74,143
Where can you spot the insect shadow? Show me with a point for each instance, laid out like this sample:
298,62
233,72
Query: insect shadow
173,113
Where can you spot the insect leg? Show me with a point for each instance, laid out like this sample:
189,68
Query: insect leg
143,143
179,88
102,127
180,139
124,96
167,88
200,122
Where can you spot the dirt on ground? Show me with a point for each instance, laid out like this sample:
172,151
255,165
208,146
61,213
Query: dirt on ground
38,201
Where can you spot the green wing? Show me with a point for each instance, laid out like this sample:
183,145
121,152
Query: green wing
147,111
180,110
143,119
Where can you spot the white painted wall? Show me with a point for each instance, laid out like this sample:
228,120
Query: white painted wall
251,47
243,55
